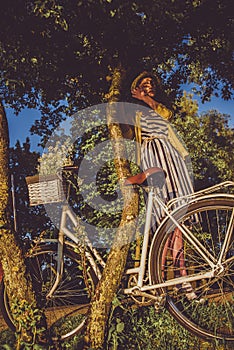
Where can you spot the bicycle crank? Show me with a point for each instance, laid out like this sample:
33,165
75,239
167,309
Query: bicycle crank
144,298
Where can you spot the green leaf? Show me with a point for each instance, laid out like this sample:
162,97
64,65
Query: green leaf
120,327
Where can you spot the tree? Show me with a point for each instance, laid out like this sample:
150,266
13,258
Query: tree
209,140
63,51
30,221
111,278
21,296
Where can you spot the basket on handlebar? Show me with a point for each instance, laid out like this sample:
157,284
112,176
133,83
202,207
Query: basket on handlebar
45,189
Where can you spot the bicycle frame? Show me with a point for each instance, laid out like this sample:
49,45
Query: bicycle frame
215,266
97,263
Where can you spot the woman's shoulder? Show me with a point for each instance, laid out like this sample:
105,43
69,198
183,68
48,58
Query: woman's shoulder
163,111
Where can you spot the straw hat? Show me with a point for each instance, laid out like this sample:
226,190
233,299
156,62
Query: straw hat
143,75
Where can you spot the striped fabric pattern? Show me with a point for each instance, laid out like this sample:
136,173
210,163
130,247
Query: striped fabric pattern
156,150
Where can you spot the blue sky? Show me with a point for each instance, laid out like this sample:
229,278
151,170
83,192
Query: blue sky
20,125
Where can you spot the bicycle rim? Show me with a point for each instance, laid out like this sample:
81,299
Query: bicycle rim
211,313
66,309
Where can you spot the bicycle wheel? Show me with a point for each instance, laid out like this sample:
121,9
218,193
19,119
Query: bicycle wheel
66,309
211,313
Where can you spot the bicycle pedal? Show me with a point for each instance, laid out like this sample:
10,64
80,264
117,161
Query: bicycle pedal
160,303
188,292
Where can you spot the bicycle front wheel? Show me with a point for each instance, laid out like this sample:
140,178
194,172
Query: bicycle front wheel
206,306
66,308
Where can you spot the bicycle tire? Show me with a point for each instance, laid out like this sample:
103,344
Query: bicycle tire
211,314
66,310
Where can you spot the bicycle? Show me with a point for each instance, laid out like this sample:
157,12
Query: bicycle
65,271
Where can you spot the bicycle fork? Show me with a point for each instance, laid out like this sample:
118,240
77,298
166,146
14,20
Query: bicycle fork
92,256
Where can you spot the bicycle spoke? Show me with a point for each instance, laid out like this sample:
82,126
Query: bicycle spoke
66,309
206,306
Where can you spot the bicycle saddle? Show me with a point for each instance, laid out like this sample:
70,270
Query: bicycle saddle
150,177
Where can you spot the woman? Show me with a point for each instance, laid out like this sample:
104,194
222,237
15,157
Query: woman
160,147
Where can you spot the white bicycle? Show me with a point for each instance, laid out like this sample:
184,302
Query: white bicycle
66,270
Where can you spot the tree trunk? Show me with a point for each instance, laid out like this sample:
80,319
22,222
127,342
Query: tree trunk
112,274
18,283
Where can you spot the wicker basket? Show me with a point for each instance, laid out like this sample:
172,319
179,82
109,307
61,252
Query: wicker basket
44,189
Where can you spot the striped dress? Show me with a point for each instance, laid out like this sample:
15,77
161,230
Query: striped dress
157,151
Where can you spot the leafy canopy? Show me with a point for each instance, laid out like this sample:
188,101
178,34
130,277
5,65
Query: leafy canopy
209,140
55,55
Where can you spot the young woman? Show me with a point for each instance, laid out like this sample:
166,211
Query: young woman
160,147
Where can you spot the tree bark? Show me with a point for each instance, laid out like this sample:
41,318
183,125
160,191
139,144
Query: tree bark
112,274
17,281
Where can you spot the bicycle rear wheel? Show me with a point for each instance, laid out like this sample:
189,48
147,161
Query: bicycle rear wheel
66,309
211,313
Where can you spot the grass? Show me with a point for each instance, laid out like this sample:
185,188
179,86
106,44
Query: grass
136,329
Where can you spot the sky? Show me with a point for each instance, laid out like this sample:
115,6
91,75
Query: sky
19,126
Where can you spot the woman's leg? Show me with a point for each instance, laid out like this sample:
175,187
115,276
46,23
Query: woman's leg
175,244
179,261
178,252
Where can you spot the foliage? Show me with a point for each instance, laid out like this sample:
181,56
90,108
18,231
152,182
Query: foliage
209,139
31,221
56,55
140,328
28,318
54,159
7,340
143,328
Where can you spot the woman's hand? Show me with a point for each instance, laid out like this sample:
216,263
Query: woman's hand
141,94
138,93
